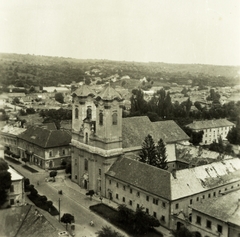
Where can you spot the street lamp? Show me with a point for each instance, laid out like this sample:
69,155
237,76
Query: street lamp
59,205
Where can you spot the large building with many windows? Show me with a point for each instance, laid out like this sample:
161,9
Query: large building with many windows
212,129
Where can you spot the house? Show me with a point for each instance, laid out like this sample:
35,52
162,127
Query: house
44,147
169,196
212,129
16,195
218,216
9,137
100,135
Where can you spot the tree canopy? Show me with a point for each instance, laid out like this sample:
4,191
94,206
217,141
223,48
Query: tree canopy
152,154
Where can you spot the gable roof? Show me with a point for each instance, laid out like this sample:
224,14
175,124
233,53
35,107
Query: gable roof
183,183
210,124
46,138
21,221
135,130
142,176
224,208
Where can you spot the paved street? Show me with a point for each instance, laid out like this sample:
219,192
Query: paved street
73,200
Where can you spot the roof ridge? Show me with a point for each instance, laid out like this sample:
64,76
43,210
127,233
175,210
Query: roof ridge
49,135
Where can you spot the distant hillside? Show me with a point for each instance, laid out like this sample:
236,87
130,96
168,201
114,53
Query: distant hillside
28,70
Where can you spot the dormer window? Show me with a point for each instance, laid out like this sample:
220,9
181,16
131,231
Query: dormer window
101,118
114,118
76,113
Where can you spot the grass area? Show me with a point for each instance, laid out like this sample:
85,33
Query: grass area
36,200
110,214
10,159
29,169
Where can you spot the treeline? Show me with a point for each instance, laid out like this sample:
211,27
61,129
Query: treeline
30,70
160,107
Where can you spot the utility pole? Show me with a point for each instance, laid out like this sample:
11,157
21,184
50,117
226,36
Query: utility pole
59,204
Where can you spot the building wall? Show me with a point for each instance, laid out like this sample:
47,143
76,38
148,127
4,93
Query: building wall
133,197
213,134
199,224
234,230
10,141
117,190
16,193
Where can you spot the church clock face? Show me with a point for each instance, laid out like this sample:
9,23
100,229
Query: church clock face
114,102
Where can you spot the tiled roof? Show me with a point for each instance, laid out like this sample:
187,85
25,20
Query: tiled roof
184,183
210,124
135,130
46,138
21,221
202,178
224,208
109,93
83,91
143,176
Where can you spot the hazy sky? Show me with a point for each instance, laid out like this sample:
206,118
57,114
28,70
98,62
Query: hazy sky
175,31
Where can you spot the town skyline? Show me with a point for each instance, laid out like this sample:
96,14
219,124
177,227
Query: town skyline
202,32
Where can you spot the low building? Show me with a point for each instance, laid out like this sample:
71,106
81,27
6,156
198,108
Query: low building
218,216
16,194
212,129
43,147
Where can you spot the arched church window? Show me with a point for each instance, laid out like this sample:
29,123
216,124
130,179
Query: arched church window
114,119
89,112
101,118
86,138
76,113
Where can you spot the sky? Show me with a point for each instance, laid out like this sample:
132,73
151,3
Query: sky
170,31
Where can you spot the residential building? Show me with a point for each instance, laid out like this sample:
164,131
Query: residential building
16,192
218,216
44,147
212,129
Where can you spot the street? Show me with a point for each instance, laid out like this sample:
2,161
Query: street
70,201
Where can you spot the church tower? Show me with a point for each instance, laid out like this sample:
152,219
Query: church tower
96,136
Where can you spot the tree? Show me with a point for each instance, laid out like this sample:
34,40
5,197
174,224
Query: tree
182,232
148,152
16,100
107,231
234,135
59,97
5,181
161,159
53,174
195,137
125,215
67,219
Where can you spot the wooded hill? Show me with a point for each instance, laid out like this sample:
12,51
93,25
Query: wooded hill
27,70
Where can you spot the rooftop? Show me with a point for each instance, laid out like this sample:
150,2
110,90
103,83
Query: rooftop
46,138
172,187
135,130
12,130
210,124
14,174
108,93
83,91
24,221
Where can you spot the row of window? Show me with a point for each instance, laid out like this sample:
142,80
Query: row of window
51,153
147,210
89,116
155,200
208,224
217,129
